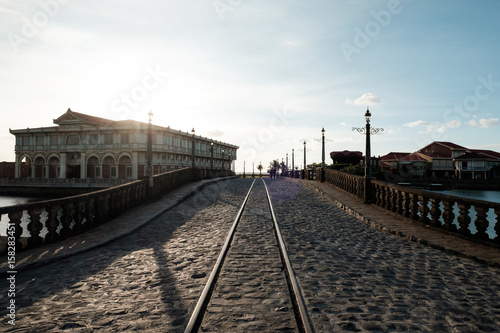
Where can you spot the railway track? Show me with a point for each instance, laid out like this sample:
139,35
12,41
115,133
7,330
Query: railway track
252,286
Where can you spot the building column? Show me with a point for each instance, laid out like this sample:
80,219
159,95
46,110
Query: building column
83,165
135,165
62,167
17,171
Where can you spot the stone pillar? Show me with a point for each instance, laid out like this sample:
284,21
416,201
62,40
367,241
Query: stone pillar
62,168
83,165
17,171
135,165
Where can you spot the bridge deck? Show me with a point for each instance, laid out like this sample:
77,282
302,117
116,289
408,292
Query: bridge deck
352,295
370,214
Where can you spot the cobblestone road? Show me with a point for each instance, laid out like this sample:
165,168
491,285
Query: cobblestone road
354,278
145,282
252,294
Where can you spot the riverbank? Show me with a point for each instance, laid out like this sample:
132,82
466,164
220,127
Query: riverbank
460,184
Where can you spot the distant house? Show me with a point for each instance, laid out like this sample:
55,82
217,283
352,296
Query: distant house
476,164
442,159
389,162
346,157
440,155
84,146
412,165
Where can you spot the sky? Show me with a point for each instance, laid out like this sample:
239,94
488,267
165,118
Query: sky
263,75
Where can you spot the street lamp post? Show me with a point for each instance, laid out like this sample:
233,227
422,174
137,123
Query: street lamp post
304,173
323,155
222,159
293,164
368,130
149,155
192,149
212,156
244,175
286,165
229,158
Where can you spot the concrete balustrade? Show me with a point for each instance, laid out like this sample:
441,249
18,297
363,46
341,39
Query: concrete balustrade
473,219
50,221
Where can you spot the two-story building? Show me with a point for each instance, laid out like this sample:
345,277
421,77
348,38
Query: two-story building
84,146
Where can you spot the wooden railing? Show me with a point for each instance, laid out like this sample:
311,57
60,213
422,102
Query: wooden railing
33,224
473,219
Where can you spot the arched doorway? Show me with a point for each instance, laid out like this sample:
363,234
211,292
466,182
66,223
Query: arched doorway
125,167
109,167
54,167
93,168
39,167
26,167
73,165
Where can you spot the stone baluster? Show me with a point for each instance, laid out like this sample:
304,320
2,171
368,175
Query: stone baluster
15,218
406,204
377,194
35,226
423,209
497,225
89,213
481,222
66,219
52,224
435,212
382,196
387,197
399,202
106,207
463,218
413,206
78,217
448,216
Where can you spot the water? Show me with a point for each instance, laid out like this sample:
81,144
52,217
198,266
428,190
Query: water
10,200
493,196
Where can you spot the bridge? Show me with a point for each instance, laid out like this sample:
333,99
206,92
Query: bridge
402,263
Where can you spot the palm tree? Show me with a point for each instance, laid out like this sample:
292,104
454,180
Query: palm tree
260,167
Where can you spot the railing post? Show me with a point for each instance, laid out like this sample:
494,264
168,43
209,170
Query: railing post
464,218
423,209
66,219
406,204
52,223
34,227
435,211
399,202
481,222
414,206
448,215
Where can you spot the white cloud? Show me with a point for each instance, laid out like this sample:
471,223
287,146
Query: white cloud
216,133
446,126
434,127
417,123
485,122
365,99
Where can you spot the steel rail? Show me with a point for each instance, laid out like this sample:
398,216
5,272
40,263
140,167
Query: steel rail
304,321
199,310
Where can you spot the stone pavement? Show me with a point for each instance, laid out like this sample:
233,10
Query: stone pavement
107,232
395,224
354,277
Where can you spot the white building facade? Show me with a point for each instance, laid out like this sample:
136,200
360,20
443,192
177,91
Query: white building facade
83,146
